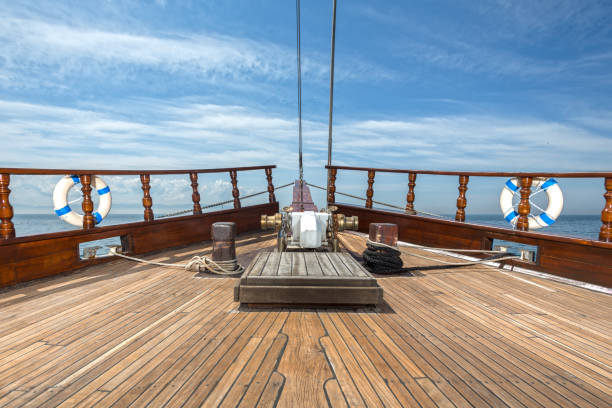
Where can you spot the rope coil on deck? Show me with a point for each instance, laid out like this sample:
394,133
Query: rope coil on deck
385,259
195,264
382,259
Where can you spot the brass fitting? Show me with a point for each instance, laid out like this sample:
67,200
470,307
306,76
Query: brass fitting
271,221
347,223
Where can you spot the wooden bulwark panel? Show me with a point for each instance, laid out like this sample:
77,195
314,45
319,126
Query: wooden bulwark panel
574,258
26,258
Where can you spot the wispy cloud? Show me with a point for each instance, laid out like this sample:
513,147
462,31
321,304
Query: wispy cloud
547,39
165,136
71,50
49,54
179,134
472,142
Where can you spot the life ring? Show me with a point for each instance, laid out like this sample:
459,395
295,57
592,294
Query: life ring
62,208
548,217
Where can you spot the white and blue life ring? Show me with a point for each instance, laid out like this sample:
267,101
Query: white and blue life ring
548,217
62,208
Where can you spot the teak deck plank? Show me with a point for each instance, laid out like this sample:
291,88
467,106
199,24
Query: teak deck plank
313,268
128,334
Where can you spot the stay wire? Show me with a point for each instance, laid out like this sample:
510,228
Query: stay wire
299,84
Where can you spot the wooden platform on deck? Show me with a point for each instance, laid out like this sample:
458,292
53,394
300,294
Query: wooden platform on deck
124,334
307,278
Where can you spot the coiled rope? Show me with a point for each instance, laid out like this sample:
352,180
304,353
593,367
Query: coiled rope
382,259
196,264
385,259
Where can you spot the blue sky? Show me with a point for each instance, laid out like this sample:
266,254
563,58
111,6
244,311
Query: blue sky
449,85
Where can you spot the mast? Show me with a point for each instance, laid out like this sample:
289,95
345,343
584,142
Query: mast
331,99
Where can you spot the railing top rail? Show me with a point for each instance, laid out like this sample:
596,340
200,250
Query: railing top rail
128,172
590,174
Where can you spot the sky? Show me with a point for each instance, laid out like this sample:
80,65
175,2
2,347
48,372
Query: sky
492,85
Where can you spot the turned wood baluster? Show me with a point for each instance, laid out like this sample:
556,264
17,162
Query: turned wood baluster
147,201
271,196
370,192
235,192
195,196
410,196
462,200
7,229
605,233
331,192
524,208
87,204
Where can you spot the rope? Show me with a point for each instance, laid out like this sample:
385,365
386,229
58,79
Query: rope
223,202
385,259
382,259
196,264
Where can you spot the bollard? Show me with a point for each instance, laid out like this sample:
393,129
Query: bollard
383,233
224,241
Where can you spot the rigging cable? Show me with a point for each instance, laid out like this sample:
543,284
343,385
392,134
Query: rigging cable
299,68
331,99
299,78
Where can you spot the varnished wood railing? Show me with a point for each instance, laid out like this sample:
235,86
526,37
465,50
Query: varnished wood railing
7,228
525,181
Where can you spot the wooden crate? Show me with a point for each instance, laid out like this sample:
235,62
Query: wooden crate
307,278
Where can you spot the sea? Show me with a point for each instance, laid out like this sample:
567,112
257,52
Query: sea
579,226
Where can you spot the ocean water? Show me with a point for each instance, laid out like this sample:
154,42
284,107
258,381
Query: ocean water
577,226
32,224
581,226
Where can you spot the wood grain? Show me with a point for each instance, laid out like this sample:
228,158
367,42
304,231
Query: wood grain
124,334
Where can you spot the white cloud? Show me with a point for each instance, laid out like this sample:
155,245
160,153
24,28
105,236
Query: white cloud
174,135
178,134
77,49
473,142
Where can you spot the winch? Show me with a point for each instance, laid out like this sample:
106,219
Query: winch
308,229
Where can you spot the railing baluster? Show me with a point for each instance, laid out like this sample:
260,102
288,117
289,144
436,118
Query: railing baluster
195,195
271,197
524,208
370,192
462,200
331,193
410,196
7,228
605,233
147,201
235,192
87,204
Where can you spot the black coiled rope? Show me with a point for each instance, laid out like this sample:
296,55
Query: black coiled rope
383,259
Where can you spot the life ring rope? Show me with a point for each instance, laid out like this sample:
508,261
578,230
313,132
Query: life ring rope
62,206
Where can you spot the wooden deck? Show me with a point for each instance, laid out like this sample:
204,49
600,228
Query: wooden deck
126,334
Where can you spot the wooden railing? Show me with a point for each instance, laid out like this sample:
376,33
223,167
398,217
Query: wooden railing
7,228
525,182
